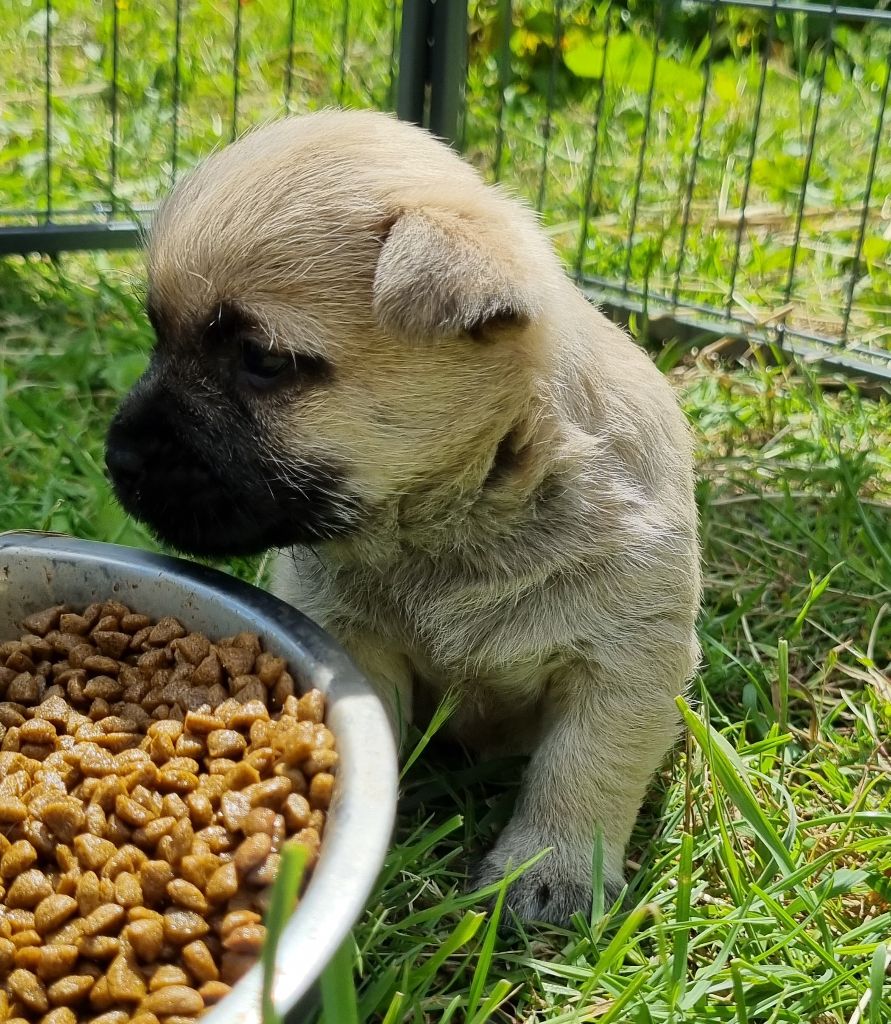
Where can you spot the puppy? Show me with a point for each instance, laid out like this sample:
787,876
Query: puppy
371,360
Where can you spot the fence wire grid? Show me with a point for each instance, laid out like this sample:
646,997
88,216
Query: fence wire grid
722,163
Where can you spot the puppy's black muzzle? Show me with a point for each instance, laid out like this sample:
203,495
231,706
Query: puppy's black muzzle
202,476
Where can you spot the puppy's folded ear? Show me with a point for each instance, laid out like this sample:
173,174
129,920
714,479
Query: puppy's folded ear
441,274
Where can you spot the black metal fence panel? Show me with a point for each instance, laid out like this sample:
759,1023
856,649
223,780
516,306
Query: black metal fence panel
104,102
725,163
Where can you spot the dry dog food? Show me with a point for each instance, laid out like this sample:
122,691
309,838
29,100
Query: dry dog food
148,778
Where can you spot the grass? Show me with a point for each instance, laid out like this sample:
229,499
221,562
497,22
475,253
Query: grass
760,876
579,121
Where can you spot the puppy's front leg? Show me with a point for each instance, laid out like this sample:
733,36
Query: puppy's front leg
601,745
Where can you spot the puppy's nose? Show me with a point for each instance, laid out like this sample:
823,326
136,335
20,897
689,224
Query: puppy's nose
125,463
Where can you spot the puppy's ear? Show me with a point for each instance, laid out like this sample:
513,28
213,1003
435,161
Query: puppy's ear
440,274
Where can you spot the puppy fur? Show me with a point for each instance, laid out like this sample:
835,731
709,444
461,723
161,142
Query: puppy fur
496,483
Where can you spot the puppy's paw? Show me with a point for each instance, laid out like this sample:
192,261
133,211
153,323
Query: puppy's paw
555,887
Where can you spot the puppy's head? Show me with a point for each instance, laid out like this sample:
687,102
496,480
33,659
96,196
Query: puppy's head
345,316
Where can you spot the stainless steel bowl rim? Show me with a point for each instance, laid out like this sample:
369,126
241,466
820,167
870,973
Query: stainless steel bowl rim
361,819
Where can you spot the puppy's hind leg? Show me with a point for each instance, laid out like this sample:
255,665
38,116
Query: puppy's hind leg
601,745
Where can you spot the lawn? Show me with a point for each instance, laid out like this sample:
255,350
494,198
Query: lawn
759,877
760,874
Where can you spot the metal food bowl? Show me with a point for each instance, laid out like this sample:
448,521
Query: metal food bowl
39,570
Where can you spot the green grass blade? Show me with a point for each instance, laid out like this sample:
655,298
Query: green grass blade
816,591
339,1005
790,928
625,998
499,993
682,918
618,946
876,984
443,713
281,904
484,963
597,902
705,976
450,1011
739,995
394,1010
463,932
733,777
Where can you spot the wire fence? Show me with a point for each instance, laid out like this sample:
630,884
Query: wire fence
722,164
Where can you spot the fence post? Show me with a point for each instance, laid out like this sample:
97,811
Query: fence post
432,65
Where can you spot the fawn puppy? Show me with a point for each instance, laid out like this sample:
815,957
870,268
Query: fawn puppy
372,361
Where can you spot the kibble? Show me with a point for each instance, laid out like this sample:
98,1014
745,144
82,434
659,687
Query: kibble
148,779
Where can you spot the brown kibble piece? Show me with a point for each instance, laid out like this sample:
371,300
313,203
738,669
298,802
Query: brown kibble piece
127,890
199,962
133,813
111,1017
98,947
71,990
124,983
213,991
236,661
64,818
223,883
247,938
26,987
237,918
270,793
209,672
235,807
56,960
296,812
154,876
168,974
26,937
18,858
252,852
226,743
26,688
12,810
133,622
52,912
269,668
165,630
311,707
146,937
200,809
43,621
104,919
194,647
201,723
260,819
37,731
111,643
183,926
186,895
320,790
28,889
174,999
61,1015
93,852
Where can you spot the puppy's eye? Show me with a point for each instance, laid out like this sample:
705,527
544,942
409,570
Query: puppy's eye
262,368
